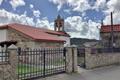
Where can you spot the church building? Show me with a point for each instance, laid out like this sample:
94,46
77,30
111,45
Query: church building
34,37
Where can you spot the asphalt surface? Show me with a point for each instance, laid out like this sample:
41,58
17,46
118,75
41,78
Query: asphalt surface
104,73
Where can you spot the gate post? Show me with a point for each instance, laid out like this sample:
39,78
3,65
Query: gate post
71,59
12,69
75,67
88,57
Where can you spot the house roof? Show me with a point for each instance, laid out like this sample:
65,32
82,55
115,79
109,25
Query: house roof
36,33
60,33
107,28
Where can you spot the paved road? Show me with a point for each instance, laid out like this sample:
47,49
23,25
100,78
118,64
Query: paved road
106,73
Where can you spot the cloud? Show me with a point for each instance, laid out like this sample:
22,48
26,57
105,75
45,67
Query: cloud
8,17
72,24
44,23
79,5
76,5
76,27
31,6
84,5
36,13
100,4
112,6
1,2
68,11
16,3
59,3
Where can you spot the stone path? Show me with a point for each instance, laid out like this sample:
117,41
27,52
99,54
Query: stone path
105,73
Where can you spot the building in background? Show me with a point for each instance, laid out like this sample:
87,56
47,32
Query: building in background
106,37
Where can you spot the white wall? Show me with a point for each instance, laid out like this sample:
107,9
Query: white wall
3,35
67,39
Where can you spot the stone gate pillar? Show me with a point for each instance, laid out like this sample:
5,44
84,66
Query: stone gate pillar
71,59
88,57
8,71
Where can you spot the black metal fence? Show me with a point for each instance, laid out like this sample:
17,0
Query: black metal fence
4,57
81,57
34,63
105,50
81,52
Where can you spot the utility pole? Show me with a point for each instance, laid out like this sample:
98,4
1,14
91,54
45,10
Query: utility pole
112,31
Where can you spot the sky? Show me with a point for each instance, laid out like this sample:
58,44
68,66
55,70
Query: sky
82,17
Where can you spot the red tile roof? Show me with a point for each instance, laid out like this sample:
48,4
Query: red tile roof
36,33
55,32
107,28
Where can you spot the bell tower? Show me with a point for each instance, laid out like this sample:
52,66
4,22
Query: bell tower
59,24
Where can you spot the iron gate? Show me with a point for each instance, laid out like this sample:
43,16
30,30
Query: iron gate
81,57
34,63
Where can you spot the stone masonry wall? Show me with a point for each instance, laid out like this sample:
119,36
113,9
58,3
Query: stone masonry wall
48,44
101,59
8,70
23,40
26,42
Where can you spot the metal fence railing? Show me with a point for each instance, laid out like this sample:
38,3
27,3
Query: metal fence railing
4,57
81,57
80,52
105,50
33,63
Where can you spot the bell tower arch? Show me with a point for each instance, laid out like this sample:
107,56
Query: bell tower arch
59,24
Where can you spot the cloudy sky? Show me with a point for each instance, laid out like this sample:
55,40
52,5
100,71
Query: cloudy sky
82,17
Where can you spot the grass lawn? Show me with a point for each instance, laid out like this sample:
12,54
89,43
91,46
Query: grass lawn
25,69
